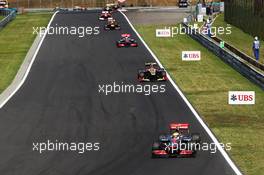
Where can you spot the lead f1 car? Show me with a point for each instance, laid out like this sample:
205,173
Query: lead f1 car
179,143
108,9
183,3
152,72
105,15
3,4
78,8
113,6
126,41
112,24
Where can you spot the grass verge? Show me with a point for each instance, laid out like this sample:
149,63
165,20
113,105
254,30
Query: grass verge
15,40
238,38
206,84
1,17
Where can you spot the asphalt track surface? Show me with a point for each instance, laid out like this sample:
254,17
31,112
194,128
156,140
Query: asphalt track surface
60,100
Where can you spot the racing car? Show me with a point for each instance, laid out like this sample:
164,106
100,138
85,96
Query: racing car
126,41
78,8
114,6
111,7
3,4
183,129
60,9
179,143
105,15
183,3
112,25
152,72
108,9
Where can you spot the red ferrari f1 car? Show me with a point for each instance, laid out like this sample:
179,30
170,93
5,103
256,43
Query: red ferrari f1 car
178,143
152,72
126,41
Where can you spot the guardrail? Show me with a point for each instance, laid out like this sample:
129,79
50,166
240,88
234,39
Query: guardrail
241,54
9,14
229,57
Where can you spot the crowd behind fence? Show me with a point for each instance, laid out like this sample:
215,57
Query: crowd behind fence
246,14
98,3
86,3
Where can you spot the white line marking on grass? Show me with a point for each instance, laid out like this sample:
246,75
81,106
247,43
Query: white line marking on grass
209,132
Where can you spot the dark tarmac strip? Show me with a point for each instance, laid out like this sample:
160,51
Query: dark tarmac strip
60,101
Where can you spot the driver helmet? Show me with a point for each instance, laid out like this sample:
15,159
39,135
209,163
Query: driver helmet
175,134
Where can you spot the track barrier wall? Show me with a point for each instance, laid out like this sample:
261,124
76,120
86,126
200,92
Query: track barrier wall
229,57
9,14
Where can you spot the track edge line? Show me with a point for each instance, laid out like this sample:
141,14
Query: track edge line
25,74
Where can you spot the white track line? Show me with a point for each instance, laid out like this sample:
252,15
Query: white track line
209,132
30,65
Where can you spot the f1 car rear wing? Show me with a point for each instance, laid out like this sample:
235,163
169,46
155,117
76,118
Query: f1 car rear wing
125,35
148,64
155,65
110,19
179,126
109,5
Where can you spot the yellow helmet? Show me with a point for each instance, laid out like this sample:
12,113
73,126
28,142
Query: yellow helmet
175,134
